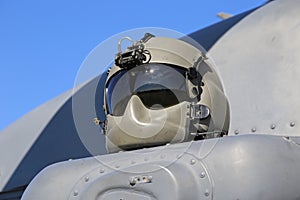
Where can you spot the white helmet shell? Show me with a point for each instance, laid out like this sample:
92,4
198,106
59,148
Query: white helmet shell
173,97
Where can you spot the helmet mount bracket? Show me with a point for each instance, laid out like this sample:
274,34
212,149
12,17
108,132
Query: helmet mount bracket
134,55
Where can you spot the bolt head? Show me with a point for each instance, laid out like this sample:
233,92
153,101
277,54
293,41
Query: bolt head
206,193
273,126
132,181
202,174
75,193
193,162
292,124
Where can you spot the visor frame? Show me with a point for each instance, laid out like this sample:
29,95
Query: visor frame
178,92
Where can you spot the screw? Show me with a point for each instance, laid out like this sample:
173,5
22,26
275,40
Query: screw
273,126
292,124
202,175
102,171
206,193
132,182
75,193
236,132
253,129
193,162
86,179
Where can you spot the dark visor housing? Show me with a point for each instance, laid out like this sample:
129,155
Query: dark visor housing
157,85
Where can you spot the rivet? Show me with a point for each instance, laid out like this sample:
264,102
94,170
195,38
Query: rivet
86,179
292,124
162,156
206,193
236,132
75,193
132,181
132,162
193,162
117,166
202,174
146,159
102,171
253,129
273,126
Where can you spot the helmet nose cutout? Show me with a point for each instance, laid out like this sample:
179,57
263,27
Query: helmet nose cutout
139,121
137,111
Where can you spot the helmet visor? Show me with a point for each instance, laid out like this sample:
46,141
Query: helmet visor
157,85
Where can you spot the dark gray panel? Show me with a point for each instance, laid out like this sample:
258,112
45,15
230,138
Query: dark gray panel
59,140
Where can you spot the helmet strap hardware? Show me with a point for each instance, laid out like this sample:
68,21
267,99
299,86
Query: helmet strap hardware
102,124
198,111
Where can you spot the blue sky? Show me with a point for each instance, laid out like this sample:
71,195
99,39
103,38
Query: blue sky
43,43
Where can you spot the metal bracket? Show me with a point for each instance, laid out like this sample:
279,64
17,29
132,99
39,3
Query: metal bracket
134,55
140,179
102,124
198,111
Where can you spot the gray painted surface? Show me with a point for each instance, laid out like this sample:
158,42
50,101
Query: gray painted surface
50,134
17,139
234,167
258,60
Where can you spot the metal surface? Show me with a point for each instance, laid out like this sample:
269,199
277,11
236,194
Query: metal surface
40,138
258,61
234,167
18,148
